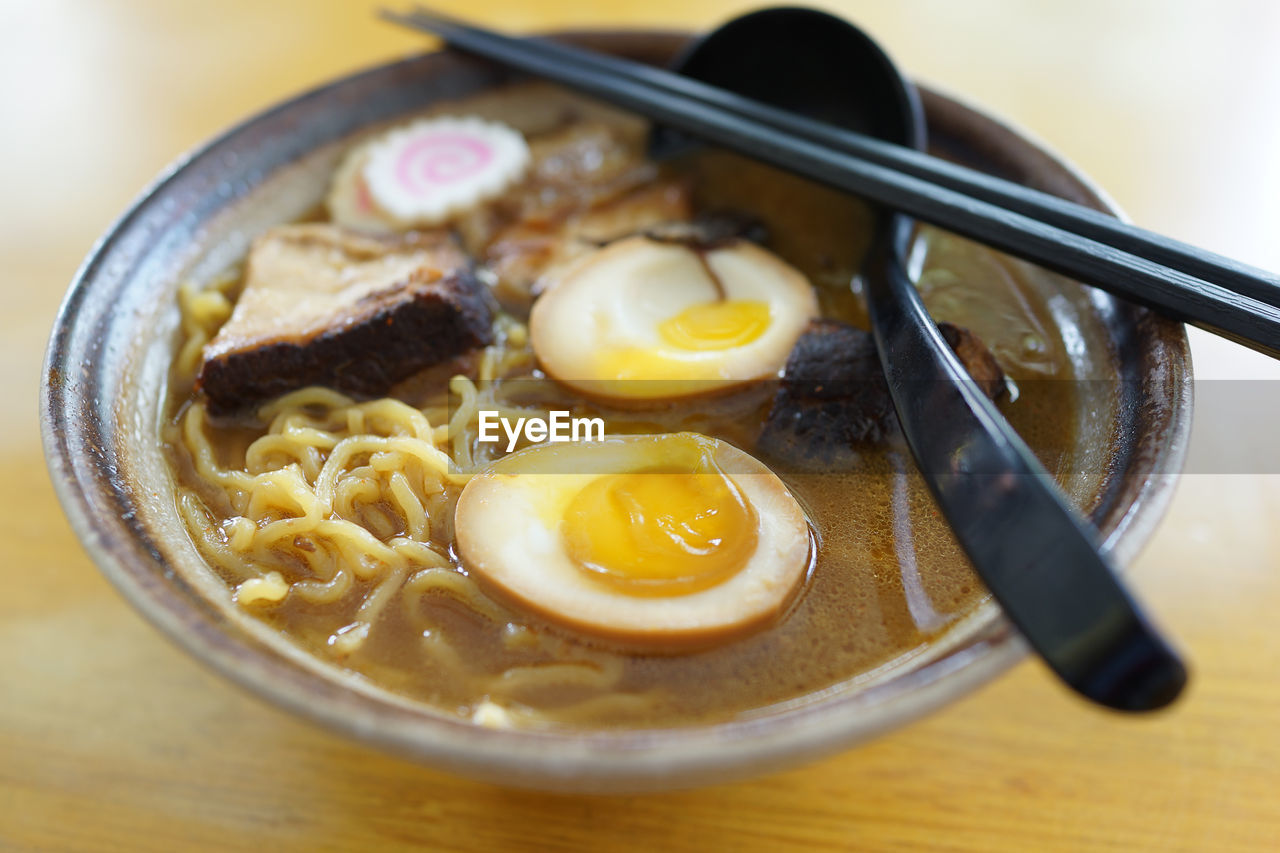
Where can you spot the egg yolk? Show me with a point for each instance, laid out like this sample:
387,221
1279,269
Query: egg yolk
660,532
631,363
716,325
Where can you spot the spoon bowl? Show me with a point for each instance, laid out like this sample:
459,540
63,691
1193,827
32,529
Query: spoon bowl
756,55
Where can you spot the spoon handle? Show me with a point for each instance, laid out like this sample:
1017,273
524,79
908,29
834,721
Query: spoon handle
1038,559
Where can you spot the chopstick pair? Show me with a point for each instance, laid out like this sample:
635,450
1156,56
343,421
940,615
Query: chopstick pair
1219,294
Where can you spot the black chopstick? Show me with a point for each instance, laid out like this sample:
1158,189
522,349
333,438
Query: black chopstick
1240,303
1229,273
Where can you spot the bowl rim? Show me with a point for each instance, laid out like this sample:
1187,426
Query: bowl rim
627,759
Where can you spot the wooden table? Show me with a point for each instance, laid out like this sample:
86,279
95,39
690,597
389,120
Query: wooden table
110,739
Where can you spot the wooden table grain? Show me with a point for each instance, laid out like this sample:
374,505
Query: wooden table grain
111,739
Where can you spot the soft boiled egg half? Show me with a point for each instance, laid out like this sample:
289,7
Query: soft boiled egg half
669,541
644,319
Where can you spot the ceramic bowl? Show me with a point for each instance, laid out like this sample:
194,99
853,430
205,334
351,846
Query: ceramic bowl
105,388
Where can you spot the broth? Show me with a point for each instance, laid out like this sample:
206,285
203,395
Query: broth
886,577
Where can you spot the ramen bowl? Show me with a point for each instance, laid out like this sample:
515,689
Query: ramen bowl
105,395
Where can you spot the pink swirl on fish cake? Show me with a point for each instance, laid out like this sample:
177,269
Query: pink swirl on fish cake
440,159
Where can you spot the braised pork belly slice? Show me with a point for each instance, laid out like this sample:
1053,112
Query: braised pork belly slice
833,400
325,306
527,252
580,165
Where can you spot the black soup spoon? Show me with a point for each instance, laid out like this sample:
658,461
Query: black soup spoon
1042,563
